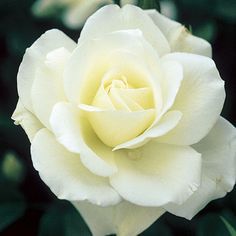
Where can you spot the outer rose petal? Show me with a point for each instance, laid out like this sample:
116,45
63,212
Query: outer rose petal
72,131
66,176
219,169
179,38
27,120
113,18
157,174
47,88
171,79
200,99
34,57
124,219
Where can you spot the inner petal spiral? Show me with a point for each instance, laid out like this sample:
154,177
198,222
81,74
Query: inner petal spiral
120,111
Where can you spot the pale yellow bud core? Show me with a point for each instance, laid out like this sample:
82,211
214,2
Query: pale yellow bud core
120,111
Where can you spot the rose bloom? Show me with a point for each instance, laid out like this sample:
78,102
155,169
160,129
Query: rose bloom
72,12
126,123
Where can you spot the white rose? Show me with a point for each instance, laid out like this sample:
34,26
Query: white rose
126,124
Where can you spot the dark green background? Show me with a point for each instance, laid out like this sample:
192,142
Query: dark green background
27,207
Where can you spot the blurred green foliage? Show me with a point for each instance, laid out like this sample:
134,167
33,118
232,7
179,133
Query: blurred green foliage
27,207
149,4
12,205
229,227
62,219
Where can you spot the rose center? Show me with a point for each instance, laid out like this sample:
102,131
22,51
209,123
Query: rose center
120,111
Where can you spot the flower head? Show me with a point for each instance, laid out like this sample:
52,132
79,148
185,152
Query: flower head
126,123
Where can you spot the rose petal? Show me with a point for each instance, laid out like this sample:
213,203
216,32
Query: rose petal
74,133
157,174
124,51
219,169
167,123
102,100
27,120
123,219
112,18
170,82
170,78
115,127
64,121
141,96
65,175
200,99
179,38
56,60
34,57
47,88
118,102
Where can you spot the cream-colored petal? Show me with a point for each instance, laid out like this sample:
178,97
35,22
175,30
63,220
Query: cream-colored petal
92,61
112,18
165,24
179,38
116,127
142,70
200,99
157,174
141,96
218,150
167,123
27,120
183,41
102,100
133,106
170,78
123,219
47,88
65,123
118,101
74,133
65,175
56,60
170,82
34,57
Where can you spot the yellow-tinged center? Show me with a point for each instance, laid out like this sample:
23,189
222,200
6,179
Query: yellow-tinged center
120,111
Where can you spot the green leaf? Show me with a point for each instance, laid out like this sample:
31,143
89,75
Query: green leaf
210,224
149,4
12,206
230,228
62,219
